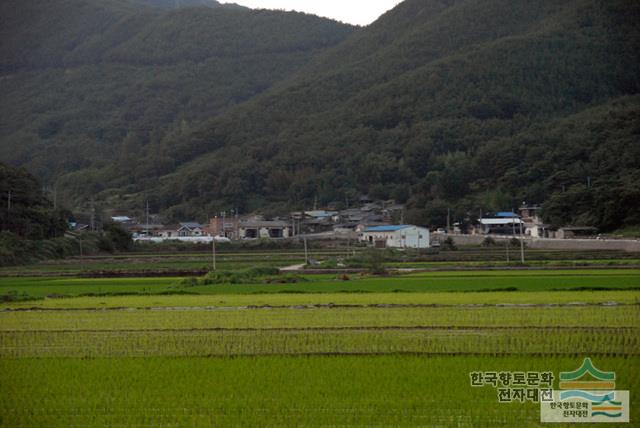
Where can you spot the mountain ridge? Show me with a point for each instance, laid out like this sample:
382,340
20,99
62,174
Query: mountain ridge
405,109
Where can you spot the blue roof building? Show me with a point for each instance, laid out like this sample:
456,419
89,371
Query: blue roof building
396,236
507,214
389,228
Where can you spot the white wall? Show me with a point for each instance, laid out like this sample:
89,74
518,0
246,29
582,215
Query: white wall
410,237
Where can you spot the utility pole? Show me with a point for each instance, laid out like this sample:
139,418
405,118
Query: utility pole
448,220
306,252
348,245
7,223
521,244
93,217
236,225
507,246
147,221
213,252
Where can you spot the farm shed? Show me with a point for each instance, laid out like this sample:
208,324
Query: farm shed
397,236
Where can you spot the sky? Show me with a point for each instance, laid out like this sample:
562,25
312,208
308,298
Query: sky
358,12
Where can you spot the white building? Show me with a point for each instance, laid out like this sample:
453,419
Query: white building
401,236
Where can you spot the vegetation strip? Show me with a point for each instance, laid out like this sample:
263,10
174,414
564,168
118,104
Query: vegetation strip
326,329
321,306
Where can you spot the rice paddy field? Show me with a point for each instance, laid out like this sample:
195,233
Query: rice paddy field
348,350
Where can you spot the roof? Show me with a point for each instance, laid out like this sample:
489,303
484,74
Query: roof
263,223
499,221
320,213
507,214
387,228
191,225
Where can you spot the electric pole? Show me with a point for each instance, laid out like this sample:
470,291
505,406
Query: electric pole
507,246
213,252
93,217
306,252
147,221
521,244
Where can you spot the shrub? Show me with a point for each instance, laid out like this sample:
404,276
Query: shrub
448,244
488,242
249,276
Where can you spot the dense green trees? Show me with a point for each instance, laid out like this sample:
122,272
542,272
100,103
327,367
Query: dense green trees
25,211
459,106
108,87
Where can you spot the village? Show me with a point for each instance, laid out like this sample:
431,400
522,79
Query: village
378,224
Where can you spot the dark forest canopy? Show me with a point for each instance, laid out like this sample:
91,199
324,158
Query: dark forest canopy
25,211
439,104
89,84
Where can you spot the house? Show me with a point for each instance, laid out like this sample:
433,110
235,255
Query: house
263,229
148,230
573,232
227,227
502,223
533,224
78,227
169,232
321,214
396,236
190,229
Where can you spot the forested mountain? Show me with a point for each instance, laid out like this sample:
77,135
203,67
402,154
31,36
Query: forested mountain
461,104
97,85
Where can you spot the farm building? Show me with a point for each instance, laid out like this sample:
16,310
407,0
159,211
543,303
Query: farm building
263,229
399,236
503,223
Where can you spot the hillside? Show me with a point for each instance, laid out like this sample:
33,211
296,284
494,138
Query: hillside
89,84
440,104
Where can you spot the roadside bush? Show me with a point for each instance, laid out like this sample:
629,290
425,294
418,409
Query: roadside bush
249,276
448,245
372,259
116,238
488,242
515,242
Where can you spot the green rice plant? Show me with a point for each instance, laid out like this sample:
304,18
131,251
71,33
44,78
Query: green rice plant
390,390
336,341
362,299
322,317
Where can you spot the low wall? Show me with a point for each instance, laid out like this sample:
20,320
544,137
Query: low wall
551,244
